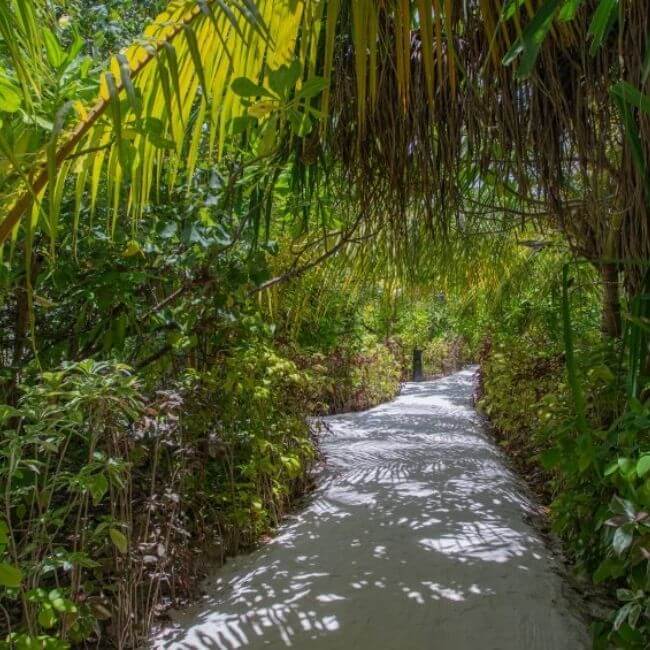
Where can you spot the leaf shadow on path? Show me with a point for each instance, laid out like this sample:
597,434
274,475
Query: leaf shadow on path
416,539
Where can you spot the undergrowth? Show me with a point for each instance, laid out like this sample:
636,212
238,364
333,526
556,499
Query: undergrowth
112,499
581,438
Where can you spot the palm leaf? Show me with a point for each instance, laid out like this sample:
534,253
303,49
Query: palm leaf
188,54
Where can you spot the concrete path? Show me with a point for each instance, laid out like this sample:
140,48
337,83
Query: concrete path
415,540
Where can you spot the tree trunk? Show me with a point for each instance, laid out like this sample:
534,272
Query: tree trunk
418,374
611,322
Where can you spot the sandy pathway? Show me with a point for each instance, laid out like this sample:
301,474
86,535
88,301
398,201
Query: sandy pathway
415,540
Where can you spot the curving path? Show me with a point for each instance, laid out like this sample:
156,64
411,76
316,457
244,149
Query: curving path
415,540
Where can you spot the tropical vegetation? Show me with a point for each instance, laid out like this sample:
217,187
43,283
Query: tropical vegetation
221,217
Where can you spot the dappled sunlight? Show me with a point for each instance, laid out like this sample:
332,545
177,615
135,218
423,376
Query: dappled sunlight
483,541
416,533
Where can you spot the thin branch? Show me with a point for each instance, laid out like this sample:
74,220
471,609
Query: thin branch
296,271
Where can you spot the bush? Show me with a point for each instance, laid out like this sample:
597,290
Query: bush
583,439
348,380
111,498
445,354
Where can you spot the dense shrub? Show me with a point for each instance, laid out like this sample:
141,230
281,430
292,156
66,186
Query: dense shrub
584,442
111,498
445,354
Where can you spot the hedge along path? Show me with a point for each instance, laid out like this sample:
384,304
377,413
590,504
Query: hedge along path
416,539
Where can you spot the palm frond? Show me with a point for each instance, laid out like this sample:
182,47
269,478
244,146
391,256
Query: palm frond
153,101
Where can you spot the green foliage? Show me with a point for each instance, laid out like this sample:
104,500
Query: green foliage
349,379
558,398
259,446
107,26
172,312
445,354
358,337
65,463
109,496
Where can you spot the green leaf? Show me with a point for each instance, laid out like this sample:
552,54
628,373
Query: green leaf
602,23
631,130
311,88
154,129
643,466
132,248
635,613
585,450
569,10
624,595
172,66
623,506
116,116
240,124
10,576
284,78
119,539
10,98
301,123
626,465
551,458
622,540
622,614
54,52
530,42
569,350
609,568
195,54
75,48
227,11
631,95
602,373
127,84
60,602
252,14
244,87
47,617
98,486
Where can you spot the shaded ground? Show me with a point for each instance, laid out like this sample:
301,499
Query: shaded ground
415,540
